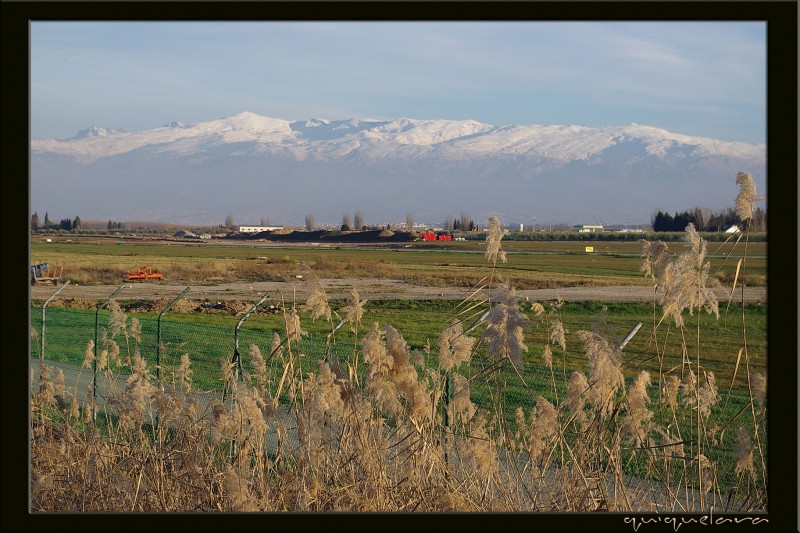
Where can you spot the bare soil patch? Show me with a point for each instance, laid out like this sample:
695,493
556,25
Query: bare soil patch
237,298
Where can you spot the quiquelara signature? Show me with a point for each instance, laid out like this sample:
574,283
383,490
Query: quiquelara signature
705,520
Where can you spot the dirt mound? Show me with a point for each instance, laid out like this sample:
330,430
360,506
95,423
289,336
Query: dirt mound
321,236
157,306
233,307
76,303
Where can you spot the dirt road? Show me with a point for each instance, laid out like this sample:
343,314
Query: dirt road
372,289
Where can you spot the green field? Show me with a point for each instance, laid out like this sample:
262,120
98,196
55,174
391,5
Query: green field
209,337
530,265
661,348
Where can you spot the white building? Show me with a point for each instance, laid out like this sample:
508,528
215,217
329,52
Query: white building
587,228
258,229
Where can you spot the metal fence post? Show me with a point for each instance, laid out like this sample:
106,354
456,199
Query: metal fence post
158,340
159,345
96,340
237,361
41,339
630,335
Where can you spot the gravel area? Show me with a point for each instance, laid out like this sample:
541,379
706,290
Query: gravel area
372,289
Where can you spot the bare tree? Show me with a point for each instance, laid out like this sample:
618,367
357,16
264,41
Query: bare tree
758,222
708,214
465,220
653,216
448,223
229,223
347,223
699,219
265,221
409,222
358,220
310,222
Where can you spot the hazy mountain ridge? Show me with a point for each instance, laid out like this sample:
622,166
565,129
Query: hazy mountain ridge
255,166
449,138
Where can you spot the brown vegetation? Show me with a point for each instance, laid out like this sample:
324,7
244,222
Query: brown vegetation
405,434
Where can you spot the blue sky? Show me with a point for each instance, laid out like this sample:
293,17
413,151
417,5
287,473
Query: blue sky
696,78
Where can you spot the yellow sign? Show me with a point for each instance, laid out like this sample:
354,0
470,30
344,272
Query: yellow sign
590,248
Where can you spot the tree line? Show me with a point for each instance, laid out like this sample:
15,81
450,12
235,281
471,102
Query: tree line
67,224
705,219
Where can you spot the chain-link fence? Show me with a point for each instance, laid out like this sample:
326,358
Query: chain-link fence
73,336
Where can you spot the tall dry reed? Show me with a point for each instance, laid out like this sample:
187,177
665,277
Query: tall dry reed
391,428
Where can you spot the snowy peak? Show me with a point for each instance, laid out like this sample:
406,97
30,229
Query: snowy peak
430,132
247,127
401,139
97,131
252,123
326,130
256,166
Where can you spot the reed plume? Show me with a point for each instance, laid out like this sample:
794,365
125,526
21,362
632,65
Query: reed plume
354,311
759,389
493,238
317,302
747,197
454,346
575,402
505,329
637,419
743,453
605,371
685,281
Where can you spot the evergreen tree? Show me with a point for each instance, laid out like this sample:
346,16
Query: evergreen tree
659,224
35,221
680,221
668,222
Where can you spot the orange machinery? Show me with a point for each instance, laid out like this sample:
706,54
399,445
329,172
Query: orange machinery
144,273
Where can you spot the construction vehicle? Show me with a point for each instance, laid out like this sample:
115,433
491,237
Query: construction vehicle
144,273
41,273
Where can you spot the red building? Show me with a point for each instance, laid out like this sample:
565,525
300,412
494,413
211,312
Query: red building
431,236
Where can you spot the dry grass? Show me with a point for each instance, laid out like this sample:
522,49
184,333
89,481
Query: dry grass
407,436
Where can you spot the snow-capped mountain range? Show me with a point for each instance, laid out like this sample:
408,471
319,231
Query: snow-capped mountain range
253,166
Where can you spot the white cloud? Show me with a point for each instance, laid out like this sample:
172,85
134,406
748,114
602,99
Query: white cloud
394,69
